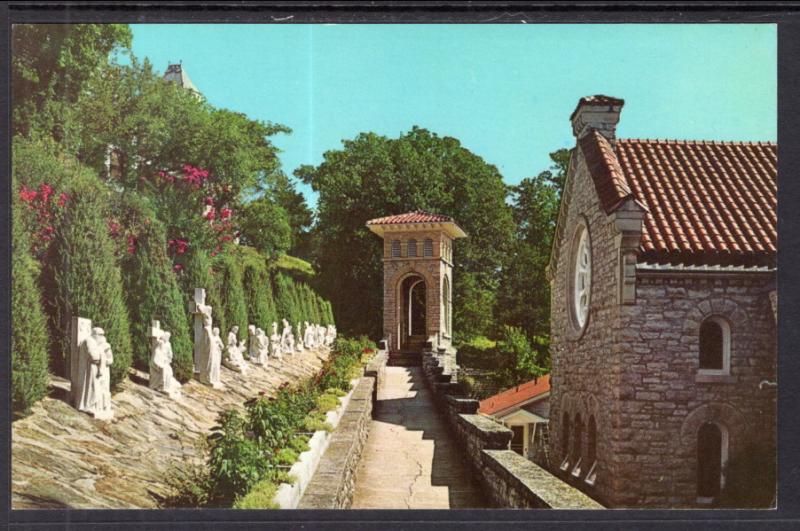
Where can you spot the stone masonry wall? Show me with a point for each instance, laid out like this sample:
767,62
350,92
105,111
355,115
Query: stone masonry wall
664,401
508,479
586,369
333,484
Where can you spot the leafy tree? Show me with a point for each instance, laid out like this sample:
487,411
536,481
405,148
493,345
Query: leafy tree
265,226
51,64
85,273
152,291
524,297
29,338
372,176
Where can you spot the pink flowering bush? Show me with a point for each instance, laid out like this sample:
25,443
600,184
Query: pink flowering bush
43,207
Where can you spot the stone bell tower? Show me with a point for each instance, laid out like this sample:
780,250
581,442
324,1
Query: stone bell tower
417,279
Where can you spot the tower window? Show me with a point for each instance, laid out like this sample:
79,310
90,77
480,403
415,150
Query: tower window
712,450
395,248
715,339
412,247
427,247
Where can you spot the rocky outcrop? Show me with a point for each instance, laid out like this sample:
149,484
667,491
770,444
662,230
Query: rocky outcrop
63,458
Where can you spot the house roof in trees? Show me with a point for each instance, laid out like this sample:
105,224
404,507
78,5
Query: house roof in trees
516,397
418,219
706,202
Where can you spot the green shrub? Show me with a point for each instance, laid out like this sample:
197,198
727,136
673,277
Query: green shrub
335,392
261,496
286,456
316,422
29,338
299,444
258,290
284,300
85,273
327,402
152,291
236,463
234,305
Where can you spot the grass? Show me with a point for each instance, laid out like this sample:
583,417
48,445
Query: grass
260,497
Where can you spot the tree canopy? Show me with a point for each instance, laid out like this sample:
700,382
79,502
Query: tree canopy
373,176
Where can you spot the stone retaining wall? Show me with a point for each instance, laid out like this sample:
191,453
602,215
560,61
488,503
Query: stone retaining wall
509,480
333,484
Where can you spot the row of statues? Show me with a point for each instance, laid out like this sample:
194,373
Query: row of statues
91,356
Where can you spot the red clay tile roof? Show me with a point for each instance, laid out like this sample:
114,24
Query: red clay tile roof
597,99
609,180
708,202
516,395
417,216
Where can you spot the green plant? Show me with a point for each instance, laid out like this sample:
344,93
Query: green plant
85,273
261,496
29,338
299,443
327,402
234,305
258,290
286,456
235,463
151,289
316,422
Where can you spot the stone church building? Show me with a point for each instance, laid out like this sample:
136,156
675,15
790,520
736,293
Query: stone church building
663,316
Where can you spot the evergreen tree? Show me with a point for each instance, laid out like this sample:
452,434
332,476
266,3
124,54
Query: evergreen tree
233,298
258,291
152,291
29,338
284,301
86,276
198,273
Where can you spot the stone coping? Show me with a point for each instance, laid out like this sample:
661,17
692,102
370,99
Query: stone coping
535,483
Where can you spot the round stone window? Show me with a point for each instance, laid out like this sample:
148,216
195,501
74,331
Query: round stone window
582,280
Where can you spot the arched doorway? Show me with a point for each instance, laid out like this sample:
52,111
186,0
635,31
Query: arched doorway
413,328
712,453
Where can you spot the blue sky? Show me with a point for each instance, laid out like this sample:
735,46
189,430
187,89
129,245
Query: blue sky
505,91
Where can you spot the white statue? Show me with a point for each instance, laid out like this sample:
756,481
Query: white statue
308,337
200,310
92,394
211,355
298,344
287,339
235,360
252,343
161,375
262,347
275,343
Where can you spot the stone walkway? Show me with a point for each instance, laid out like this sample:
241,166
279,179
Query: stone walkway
62,458
410,460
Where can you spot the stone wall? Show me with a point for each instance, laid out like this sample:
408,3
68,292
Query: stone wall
333,484
509,480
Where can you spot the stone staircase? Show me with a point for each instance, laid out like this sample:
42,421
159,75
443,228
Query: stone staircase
405,358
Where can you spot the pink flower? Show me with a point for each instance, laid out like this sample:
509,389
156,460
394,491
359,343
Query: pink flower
225,213
62,199
177,267
26,194
210,201
211,215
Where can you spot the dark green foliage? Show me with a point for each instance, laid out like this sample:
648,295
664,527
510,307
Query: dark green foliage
284,297
234,303
29,339
524,296
258,291
374,176
265,226
87,279
152,291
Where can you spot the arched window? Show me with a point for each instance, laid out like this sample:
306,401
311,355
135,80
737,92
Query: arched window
712,453
591,452
395,248
591,447
577,446
412,247
715,345
427,247
447,305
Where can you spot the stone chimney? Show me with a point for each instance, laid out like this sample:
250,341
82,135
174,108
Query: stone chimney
597,112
